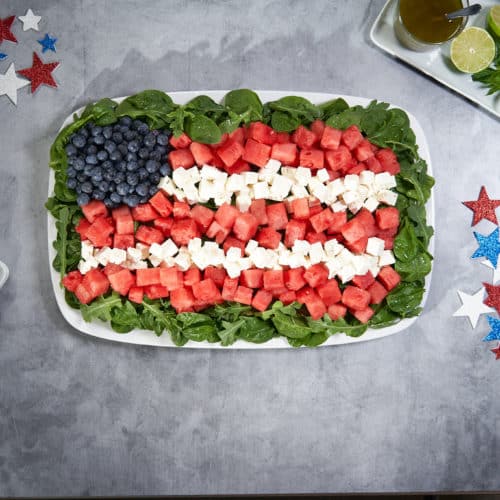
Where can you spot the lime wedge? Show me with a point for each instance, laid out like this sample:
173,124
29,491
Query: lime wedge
473,50
493,20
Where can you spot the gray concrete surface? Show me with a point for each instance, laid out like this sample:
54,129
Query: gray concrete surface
78,416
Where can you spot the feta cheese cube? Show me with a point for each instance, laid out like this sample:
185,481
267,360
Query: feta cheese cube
316,253
346,273
117,256
371,204
183,261
235,182
336,187
84,266
134,254
384,180
318,189
289,172
260,258
301,247
251,178
366,178
333,267
233,254
351,182
280,187
273,166
180,177
386,259
299,191
332,247
388,197
243,202
155,261
350,197
233,269
360,264
167,185
261,190
194,174
210,173
338,206
252,245
194,245
87,250
303,175
322,175
375,246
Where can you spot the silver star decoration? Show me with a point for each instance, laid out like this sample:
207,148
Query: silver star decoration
30,21
10,83
496,270
472,306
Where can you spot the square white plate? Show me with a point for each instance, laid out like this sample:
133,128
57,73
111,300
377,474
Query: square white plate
146,337
435,63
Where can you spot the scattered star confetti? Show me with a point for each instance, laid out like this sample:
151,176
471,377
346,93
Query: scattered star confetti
48,43
493,298
10,83
5,32
483,207
30,21
494,333
489,246
472,306
496,350
496,270
2,56
40,73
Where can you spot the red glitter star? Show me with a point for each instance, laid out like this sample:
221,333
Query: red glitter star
5,32
496,350
493,299
483,208
40,73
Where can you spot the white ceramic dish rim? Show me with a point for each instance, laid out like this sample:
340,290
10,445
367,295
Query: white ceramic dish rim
476,95
4,273
145,337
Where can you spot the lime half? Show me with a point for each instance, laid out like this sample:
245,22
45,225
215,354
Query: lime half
493,20
473,50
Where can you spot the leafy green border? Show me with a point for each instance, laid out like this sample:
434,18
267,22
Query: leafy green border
205,121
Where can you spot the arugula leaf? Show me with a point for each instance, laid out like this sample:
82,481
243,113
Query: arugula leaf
383,318
229,333
125,318
101,308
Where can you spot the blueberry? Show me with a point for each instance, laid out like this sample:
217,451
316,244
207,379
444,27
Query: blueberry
155,155
133,146
103,186
88,169
119,177
115,156
152,166
142,189
78,189
133,200
131,157
85,131
107,164
117,137
133,178
91,150
115,198
107,132
71,183
71,172
102,155
149,140
83,199
122,188
110,146
143,153
109,175
143,129
153,190
91,159
125,120
143,174
97,175
165,169
136,124
162,139
99,139
96,130
124,129
132,166
87,187
121,166
144,199
155,178
130,135
79,141
141,163
161,149
79,163
112,187
108,202
70,150
98,194
81,177
123,148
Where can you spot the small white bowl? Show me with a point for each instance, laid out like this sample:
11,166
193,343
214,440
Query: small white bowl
4,274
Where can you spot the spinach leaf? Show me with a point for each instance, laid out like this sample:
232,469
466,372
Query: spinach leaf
290,326
256,330
383,318
244,102
291,111
333,107
198,327
283,122
125,318
405,299
200,128
204,105
405,243
102,112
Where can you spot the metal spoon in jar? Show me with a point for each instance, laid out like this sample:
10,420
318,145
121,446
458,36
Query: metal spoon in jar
467,11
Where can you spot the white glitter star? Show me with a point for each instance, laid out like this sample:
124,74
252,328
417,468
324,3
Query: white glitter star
30,21
10,83
496,270
472,306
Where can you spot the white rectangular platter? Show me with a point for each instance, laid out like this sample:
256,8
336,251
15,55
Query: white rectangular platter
435,63
146,337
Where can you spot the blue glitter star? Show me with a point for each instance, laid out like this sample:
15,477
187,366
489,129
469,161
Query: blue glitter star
489,246
2,56
495,329
48,43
